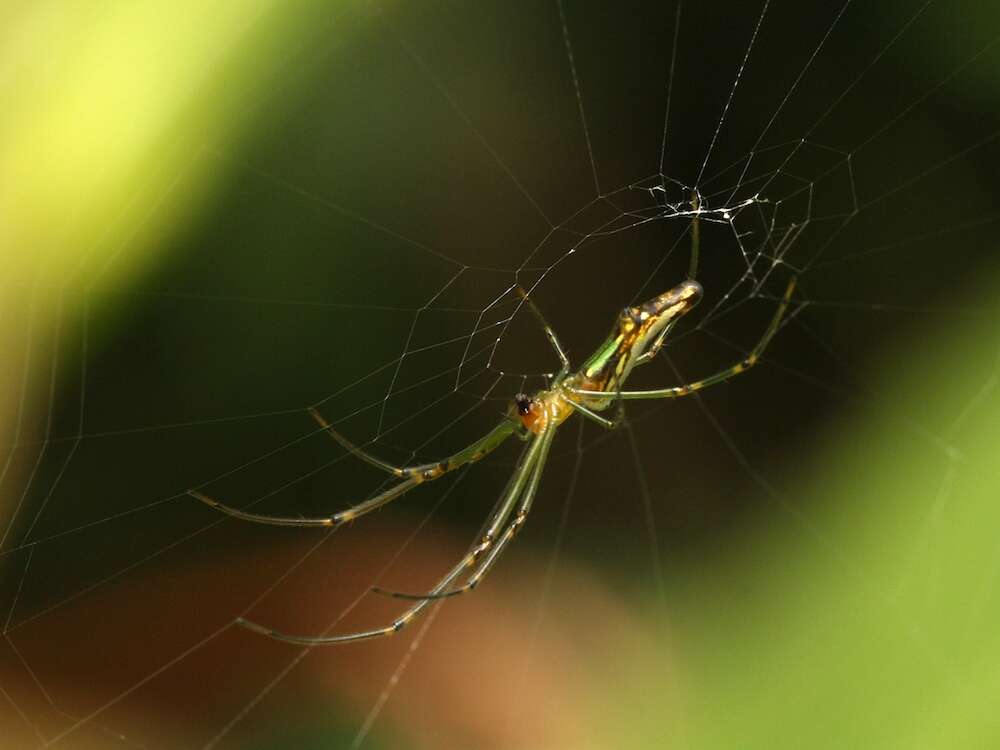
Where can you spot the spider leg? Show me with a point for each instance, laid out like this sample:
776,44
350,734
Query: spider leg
692,270
688,388
414,475
323,640
695,233
488,550
609,424
654,349
474,452
549,332
333,520
530,464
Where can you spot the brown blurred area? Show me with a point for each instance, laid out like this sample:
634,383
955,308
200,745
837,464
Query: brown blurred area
500,667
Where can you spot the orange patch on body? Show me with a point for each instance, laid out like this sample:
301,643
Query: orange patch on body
549,409
535,418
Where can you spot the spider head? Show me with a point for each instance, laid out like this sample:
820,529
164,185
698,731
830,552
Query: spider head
529,411
522,402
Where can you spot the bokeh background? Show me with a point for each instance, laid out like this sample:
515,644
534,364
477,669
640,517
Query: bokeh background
217,217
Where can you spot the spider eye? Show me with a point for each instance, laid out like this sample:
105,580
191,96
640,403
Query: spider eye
631,317
523,403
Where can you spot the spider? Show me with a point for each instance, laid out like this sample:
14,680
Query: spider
636,337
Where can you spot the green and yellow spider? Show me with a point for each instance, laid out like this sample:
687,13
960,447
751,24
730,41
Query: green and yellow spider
638,334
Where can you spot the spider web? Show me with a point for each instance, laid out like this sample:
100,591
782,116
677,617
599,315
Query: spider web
363,256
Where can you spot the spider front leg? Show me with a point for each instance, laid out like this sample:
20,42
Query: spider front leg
498,535
325,640
529,468
411,475
325,521
430,470
520,517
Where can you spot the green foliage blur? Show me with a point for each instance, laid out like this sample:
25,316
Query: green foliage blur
873,624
